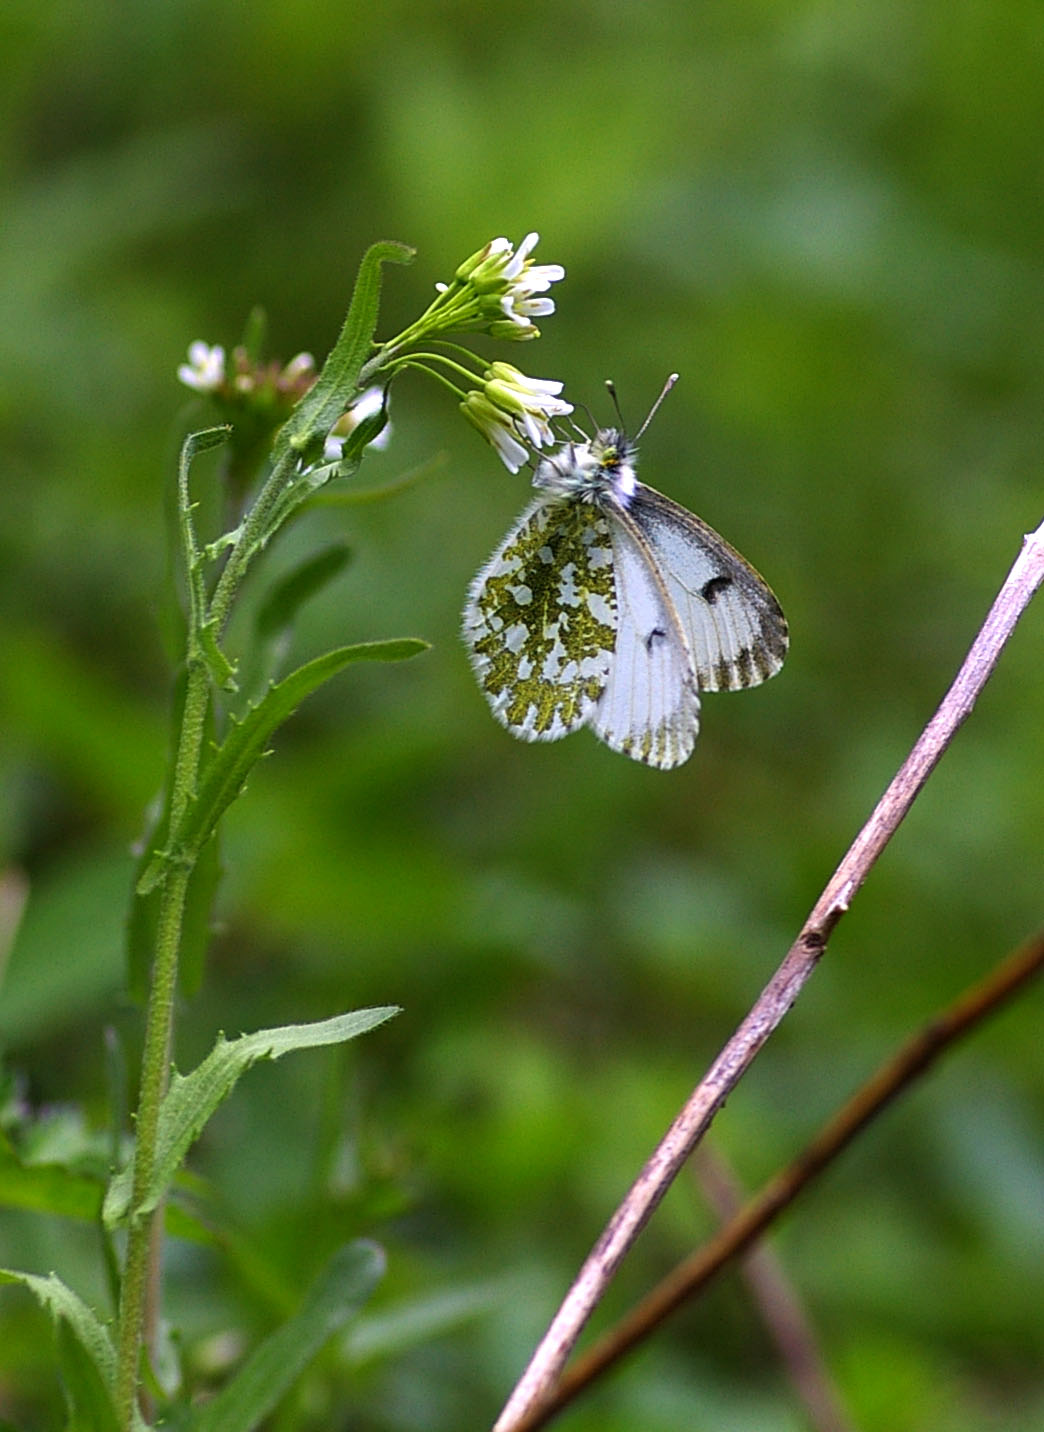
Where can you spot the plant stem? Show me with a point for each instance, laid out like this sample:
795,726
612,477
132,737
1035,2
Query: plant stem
144,1242
159,1023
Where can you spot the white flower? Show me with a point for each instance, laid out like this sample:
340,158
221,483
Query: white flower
205,370
496,427
507,283
530,402
366,405
300,369
530,277
513,411
524,280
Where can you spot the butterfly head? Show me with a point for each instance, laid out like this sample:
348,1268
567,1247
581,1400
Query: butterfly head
598,470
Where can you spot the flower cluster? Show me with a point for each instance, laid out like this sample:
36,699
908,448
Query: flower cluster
511,407
245,381
507,281
499,290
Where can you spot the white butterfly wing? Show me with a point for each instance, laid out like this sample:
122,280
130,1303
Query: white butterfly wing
540,620
733,624
649,707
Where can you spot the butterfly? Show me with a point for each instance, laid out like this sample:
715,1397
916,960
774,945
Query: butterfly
610,606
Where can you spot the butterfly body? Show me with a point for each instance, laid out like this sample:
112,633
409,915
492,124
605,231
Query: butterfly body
610,606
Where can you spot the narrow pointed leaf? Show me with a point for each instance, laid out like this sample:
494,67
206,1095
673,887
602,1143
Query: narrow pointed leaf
270,1371
86,1351
192,1098
90,1402
328,397
247,740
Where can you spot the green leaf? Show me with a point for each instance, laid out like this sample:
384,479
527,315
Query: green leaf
47,1188
280,608
340,1290
86,1353
413,1322
192,1098
362,435
194,444
228,768
90,1402
328,397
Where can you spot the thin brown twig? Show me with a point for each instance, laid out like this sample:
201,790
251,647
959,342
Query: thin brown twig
776,1300
750,1223
778,996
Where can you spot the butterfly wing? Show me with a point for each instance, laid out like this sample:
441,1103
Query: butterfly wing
649,708
540,620
735,629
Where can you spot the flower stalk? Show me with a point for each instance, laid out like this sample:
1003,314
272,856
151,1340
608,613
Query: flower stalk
317,427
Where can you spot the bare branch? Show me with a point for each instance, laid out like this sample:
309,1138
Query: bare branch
891,1079
778,995
777,1301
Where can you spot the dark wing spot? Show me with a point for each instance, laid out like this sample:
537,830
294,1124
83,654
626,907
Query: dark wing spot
744,667
712,590
657,634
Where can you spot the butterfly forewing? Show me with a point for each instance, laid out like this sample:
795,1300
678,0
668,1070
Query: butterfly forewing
735,628
649,708
541,620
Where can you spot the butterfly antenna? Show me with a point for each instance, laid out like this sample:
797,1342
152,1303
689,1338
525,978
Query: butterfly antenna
656,406
611,388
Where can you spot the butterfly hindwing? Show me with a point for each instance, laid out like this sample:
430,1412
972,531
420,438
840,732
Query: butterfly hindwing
735,628
649,708
541,619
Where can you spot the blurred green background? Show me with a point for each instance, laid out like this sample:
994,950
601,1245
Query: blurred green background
828,218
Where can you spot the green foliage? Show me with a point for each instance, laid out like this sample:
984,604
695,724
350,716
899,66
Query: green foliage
227,769
192,1098
85,1352
337,1294
324,403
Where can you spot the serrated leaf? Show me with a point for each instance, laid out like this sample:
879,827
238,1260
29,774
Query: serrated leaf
326,400
280,608
192,1098
92,1367
247,739
340,1290
90,1402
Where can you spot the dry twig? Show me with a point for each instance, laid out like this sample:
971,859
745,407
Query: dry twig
777,1302
545,1367
751,1222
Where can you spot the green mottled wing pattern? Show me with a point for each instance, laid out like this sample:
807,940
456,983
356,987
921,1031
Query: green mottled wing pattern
540,620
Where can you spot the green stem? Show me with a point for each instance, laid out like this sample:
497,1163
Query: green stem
143,1239
246,544
155,1061
159,1022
